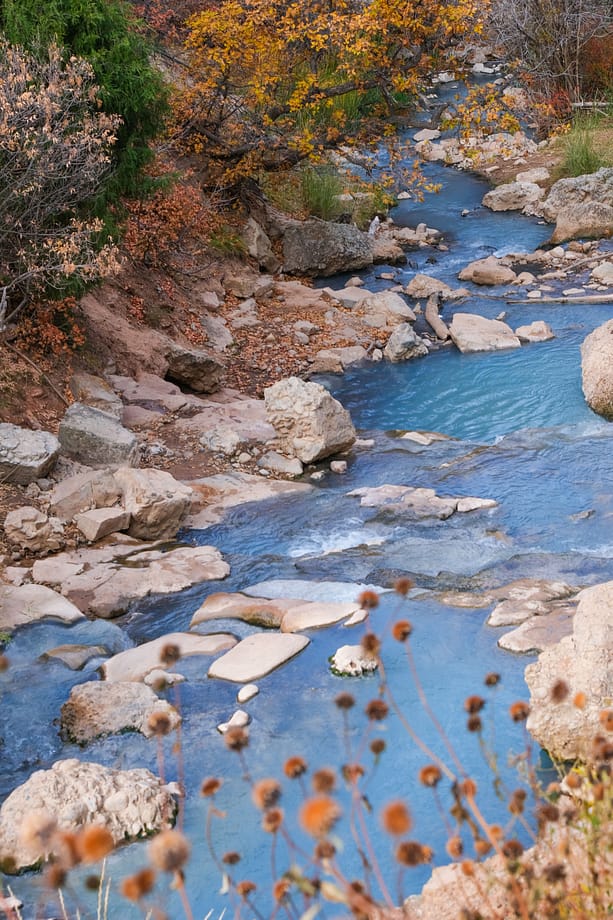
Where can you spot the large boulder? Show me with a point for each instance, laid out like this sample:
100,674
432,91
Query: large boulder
31,530
513,196
584,661
321,248
92,489
156,501
471,332
597,369
422,285
259,246
128,803
385,308
581,207
200,370
487,271
96,438
26,455
309,422
99,708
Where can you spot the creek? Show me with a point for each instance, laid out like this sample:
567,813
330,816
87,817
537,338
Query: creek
519,432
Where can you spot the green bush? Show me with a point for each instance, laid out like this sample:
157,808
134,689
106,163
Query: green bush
102,32
320,190
580,155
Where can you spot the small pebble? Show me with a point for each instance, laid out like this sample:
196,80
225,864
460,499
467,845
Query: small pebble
247,693
239,720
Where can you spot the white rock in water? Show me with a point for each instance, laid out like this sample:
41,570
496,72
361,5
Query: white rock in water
247,693
256,656
352,661
239,720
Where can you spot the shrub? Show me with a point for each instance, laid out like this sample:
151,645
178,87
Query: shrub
580,155
320,190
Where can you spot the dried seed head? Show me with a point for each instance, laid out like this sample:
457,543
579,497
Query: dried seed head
55,876
318,815
266,793
517,802
474,704
482,847
244,889
4,664
519,711
159,723
169,851
573,780
559,691
352,772
236,738
231,858
547,813
396,819
324,780
455,847
272,820
371,644
474,724
38,829
170,653
377,746
468,868
95,843
368,600
137,886
92,882
344,701
430,775
512,849
468,787
377,710
210,786
402,586
606,719
401,630
492,679
66,849
580,700
295,767
412,853
325,849
281,889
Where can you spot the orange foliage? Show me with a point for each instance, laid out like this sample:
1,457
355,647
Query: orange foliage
51,328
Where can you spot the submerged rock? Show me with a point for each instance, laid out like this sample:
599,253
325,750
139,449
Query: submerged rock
419,502
527,598
73,795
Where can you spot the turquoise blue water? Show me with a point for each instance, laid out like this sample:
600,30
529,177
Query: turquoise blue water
519,432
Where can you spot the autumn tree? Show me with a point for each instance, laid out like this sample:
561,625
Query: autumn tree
274,81
55,152
550,39
105,33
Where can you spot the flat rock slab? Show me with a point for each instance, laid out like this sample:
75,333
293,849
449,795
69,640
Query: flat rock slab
539,633
421,503
302,590
214,495
23,604
288,614
256,656
424,438
136,663
26,455
97,709
110,588
527,598
95,438
471,333
128,803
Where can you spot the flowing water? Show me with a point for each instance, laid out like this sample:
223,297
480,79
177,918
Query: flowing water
519,432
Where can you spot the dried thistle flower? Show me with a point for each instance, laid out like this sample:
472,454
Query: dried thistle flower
547,813
323,780
555,872
95,843
294,767
455,847
482,846
92,882
559,691
377,710
170,654
492,679
345,701
580,700
468,787
136,886
266,793
169,851
401,630
468,868
352,772
519,711
272,820
325,849
368,600
371,644
210,786
377,746
396,819
430,775
281,889
605,718
474,724
245,888
474,704
402,586
55,876
231,858
512,849
66,848
573,780
318,815
236,738
159,724
517,802
412,853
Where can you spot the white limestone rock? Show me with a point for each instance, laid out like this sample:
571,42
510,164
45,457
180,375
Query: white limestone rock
24,604
100,522
473,333
135,664
155,500
256,656
352,661
33,531
597,369
97,708
26,455
538,331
